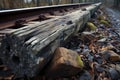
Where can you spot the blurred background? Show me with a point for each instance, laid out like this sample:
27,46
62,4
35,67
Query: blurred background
11,4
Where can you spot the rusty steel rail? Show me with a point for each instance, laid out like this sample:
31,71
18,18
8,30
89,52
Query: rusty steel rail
16,17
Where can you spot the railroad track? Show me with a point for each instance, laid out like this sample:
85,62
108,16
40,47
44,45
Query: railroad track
29,36
17,17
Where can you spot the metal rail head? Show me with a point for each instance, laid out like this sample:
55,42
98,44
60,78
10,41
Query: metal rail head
10,17
44,7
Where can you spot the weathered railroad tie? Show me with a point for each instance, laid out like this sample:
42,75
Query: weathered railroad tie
28,49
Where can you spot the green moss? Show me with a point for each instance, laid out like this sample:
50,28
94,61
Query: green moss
105,22
91,26
79,61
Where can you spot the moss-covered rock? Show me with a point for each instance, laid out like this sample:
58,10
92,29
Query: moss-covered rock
80,62
65,63
91,26
105,22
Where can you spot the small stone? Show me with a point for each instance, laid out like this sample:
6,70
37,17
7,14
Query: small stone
110,55
87,36
114,74
114,56
102,40
101,17
98,68
105,54
85,76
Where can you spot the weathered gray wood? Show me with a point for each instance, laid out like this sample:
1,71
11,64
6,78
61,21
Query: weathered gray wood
29,48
